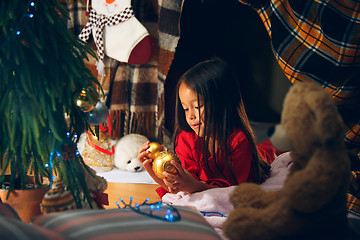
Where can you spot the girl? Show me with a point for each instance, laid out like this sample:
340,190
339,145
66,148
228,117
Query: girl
213,140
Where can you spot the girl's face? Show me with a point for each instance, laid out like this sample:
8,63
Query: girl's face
191,106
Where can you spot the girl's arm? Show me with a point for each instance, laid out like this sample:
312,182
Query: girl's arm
186,148
241,158
147,163
173,183
184,181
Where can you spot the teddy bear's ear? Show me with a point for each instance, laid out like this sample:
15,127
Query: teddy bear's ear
326,116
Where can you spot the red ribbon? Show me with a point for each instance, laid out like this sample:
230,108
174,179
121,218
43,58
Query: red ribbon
100,149
103,129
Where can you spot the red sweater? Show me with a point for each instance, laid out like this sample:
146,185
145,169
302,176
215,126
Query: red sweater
190,154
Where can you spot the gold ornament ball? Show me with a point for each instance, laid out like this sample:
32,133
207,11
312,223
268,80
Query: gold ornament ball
86,99
154,149
162,163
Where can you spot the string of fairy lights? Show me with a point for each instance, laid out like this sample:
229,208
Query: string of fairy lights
27,14
56,153
159,210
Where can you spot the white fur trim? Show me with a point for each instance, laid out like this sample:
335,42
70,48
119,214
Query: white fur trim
122,38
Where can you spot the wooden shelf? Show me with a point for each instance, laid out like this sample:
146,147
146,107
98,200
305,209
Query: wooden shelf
139,192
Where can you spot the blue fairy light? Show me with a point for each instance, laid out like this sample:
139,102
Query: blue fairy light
169,217
17,32
154,210
56,154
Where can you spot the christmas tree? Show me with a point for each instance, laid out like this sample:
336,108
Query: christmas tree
41,69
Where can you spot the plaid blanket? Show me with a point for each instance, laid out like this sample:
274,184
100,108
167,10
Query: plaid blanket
319,41
135,93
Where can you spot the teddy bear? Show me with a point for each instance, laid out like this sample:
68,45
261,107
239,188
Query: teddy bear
312,201
96,186
126,152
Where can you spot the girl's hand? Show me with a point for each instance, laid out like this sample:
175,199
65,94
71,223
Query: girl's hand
143,151
183,181
147,163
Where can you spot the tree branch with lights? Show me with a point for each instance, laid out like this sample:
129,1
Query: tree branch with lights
42,69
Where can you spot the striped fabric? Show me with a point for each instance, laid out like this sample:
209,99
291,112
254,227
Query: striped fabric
126,224
7,211
13,229
319,40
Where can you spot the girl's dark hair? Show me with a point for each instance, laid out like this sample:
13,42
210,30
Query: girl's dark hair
218,85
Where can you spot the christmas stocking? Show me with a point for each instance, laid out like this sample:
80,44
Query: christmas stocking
117,33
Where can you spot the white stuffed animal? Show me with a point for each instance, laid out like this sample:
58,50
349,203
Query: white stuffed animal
126,152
